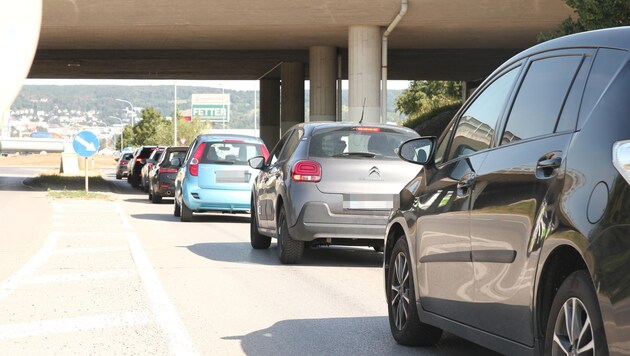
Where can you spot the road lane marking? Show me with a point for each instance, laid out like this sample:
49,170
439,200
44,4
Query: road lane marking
82,276
9,285
66,325
88,250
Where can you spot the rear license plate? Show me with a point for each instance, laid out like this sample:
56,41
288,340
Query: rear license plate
368,201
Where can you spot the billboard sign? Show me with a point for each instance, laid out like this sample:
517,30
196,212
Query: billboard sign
211,107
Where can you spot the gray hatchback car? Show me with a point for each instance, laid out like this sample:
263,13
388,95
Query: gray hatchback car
328,183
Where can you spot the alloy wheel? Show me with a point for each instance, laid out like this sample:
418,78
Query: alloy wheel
399,289
573,331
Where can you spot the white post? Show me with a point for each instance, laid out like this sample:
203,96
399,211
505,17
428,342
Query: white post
86,174
175,115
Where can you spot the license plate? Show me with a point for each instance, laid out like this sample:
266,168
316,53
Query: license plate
368,201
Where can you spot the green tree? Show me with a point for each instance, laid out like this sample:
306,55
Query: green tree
149,130
424,96
591,15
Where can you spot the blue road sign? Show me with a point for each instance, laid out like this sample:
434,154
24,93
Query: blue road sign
85,144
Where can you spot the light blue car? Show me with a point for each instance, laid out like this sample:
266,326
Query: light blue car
215,175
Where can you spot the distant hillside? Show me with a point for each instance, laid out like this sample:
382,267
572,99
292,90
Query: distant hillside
101,98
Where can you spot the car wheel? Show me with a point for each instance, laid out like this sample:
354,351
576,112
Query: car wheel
404,321
118,176
155,198
187,214
575,324
177,211
289,250
258,241
135,182
145,186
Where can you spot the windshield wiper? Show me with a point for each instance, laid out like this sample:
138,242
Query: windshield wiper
359,154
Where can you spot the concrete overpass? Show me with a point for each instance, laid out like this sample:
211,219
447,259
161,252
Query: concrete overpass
283,43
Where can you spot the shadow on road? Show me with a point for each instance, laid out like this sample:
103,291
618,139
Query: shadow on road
205,218
242,252
344,336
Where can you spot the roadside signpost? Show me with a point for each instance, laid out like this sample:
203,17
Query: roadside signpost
85,144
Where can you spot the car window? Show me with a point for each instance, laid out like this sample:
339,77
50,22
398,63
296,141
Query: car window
233,153
275,153
166,161
192,146
291,145
607,62
358,142
540,98
569,116
476,126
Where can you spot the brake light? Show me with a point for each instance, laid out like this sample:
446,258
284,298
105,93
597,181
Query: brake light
233,141
165,170
138,159
621,158
165,185
306,171
150,165
193,167
368,129
123,162
265,152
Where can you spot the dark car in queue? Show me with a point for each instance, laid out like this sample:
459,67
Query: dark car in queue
516,232
148,167
328,184
121,164
162,176
134,167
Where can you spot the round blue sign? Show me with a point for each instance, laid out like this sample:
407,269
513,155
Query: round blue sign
85,144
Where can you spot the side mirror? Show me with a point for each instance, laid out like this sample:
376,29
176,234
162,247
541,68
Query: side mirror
176,162
417,150
257,162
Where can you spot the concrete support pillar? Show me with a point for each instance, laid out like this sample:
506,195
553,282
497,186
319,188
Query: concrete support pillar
364,73
322,74
270,112
292,95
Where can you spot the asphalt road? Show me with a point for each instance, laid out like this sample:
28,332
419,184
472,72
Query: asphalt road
125,277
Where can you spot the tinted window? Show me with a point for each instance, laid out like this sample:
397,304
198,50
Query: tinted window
540,98
607,62
342,142
171,155
291,145
236,153
275,154
476,126
568,118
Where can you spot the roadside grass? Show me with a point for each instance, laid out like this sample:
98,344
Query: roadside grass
78,194
72,186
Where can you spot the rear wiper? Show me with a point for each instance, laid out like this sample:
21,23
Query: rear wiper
360,154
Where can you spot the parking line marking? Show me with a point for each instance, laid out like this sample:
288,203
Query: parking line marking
91,234
66,325
9,285
83,276
86,250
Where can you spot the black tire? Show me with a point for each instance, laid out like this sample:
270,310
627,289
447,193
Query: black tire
258,241
145,186
576,294
289,251
135,182
187,214
404,322
177,210
118,176
155,197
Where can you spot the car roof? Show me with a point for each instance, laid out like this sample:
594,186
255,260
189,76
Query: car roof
312,127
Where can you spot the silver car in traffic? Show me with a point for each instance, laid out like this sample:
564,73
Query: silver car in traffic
328,183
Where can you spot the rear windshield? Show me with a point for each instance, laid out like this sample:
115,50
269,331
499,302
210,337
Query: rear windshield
127,156
172,155
236,153
365,142
146,152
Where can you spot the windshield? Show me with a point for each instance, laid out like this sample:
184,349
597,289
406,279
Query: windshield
380,143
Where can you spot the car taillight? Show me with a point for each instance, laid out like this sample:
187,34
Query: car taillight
138,159
193,167
233,141
306,171
368,129
621,158
123,162
166,170
150,165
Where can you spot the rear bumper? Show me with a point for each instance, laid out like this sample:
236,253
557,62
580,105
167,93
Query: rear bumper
201,200
162,181
316,221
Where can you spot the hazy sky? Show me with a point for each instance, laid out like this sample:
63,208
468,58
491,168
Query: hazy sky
227,84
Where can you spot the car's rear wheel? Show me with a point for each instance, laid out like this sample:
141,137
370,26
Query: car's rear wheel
575,324
118,176
177,210
155,197
289,250
404,321
187,214
258,241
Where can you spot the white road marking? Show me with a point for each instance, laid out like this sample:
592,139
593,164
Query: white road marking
8,286
86,250
82,276
92,234
59,326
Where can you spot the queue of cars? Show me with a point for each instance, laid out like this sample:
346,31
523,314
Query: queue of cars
512,229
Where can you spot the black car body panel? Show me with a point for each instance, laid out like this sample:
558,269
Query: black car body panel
134,168
162,176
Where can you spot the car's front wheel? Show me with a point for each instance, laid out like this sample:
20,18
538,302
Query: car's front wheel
404,321
575,324
258,241
187,214
289,250
177,211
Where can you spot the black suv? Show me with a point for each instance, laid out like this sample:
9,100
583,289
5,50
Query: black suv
515,233
134,167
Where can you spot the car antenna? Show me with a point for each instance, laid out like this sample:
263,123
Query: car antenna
362,111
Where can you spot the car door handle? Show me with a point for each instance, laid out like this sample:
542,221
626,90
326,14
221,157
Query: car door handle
553,162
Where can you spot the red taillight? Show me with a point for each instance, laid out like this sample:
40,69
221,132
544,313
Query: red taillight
165,185
306,171
150,165
368,129
265,152
138,159
233,141
165,170
193,167
123,162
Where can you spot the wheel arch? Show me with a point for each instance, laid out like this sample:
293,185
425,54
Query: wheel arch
394,233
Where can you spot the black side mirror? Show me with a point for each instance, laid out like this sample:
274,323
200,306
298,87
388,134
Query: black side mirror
257,162
417,150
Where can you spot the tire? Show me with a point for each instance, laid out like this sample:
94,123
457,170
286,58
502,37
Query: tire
155,198
576,294
187,214
258,241
118,176
177,210
145,186
289,251
135,182
404,322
